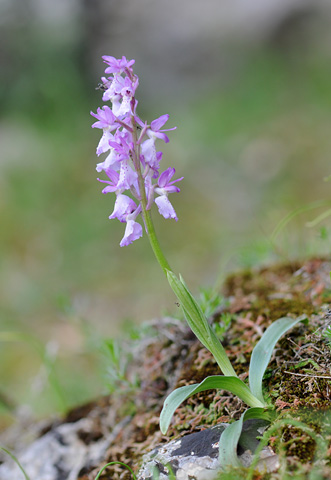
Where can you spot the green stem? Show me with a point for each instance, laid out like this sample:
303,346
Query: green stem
146,213
194,316
154,242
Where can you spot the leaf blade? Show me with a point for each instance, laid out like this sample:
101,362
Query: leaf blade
229,439
199,324
263,350
232,384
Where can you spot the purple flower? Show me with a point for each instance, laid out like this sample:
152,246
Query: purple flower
127,178
124,206
122,143
117,65
163,189
148,151
107,120
155,130
103,145
133,231
120,93
111,161
164,184
112,182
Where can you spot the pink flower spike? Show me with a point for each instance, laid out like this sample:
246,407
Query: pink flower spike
133,231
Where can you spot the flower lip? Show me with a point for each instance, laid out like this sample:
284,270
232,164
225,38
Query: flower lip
133,231
124,206
165,208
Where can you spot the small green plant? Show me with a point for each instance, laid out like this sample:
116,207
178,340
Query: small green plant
116,363
115,463
222,325
26,476
132,166
209,301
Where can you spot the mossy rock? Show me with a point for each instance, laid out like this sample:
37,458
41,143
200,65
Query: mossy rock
297,380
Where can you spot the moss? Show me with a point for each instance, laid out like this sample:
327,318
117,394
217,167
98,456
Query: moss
298,444
276,308
260,282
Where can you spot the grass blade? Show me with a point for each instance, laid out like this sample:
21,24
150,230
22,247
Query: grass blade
16,461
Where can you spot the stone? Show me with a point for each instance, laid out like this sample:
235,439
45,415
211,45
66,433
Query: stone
195,456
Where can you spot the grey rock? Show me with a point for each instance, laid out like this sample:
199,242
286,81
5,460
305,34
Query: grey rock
195,456
61,453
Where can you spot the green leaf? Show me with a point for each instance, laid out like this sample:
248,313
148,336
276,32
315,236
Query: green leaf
263,350
199,324
197,321
232,384
228,443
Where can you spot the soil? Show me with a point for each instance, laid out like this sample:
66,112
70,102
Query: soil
297,380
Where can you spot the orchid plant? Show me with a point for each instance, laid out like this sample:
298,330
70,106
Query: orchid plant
132,166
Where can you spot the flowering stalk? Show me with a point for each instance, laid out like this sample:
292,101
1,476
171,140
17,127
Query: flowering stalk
133,164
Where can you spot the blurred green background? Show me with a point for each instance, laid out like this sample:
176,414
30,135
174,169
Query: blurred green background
249,90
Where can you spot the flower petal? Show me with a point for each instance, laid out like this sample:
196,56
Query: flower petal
159,122
166,176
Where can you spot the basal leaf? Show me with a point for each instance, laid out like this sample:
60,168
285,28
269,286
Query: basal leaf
228,443
263,350
232,384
